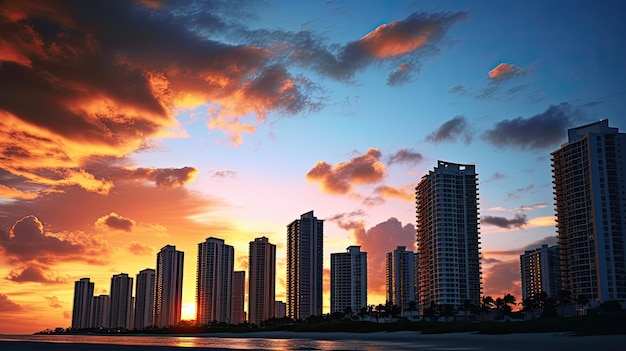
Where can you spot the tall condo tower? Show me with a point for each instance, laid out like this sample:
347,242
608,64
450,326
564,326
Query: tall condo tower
448,236
540,272
121,301
400,276
238,313
168,295
82,309
261,281
214,281
144,299
589,173
348,280
305,238
101,311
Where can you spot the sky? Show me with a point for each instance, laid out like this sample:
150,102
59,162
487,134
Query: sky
126,126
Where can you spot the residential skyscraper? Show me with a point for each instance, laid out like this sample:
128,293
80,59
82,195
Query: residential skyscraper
168,295
400,276
348,280
305,240
448,236
239,297
101,308
261,280
214,281
83,297
589,172
121,301
540,271
144,299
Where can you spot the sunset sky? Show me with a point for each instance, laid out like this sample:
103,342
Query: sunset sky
126,126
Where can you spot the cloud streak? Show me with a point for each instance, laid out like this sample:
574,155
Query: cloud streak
452,130
519,221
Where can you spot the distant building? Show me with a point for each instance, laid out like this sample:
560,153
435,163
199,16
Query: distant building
589,175
214,281
168,296
101,311
144,299
81,311
121,301
348,280
280,309
261,280
239,297
540,270
448,236
400,276
305,247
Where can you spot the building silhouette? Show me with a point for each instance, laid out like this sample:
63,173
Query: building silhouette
238,314
261,280
101,311
82,308
589,178
144,299
348,280
121,301
400,277
214,281
305,238
280,309
168,295
540,271
448,236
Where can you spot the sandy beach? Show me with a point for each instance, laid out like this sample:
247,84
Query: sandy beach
404,340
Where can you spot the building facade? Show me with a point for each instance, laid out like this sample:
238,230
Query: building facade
101,311
168,297
121,302
144,299
214,282
82,307
589,178
348,280
448,236
400,277
305,238
261,280
239,297
540,272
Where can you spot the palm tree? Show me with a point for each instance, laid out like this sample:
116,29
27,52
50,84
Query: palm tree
581,301
565,298
530,304
486,304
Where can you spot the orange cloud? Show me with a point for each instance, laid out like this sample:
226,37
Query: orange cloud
6,305
138,249
340,178
114,221
406,193
502,278
387,41
505,71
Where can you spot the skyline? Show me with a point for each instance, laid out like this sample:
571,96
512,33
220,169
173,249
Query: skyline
128,126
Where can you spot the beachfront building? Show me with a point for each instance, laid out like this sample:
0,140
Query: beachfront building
121,301
589,176
540,272
305,238
448,236
168,295
280,309
101,311
348,280
261,281
239,297
214,281
82,307
144,299
400,277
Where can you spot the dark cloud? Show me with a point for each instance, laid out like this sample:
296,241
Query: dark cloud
519,221
115,221
224,174
6,305
342,177
496,176
516,192
452,130
406,73
458,89
545,130
549,240
34,274
405,156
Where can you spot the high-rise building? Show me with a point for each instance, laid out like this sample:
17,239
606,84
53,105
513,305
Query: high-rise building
540,271
280,309
83,297
214,281
121,301
305,241
144,299
239,297
101,311
589,172
261,280
400,276
168,295
348,280
448,236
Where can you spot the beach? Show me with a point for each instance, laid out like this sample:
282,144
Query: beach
403,340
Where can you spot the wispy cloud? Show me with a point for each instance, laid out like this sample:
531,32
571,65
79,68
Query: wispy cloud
452,130
519,221
505,71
